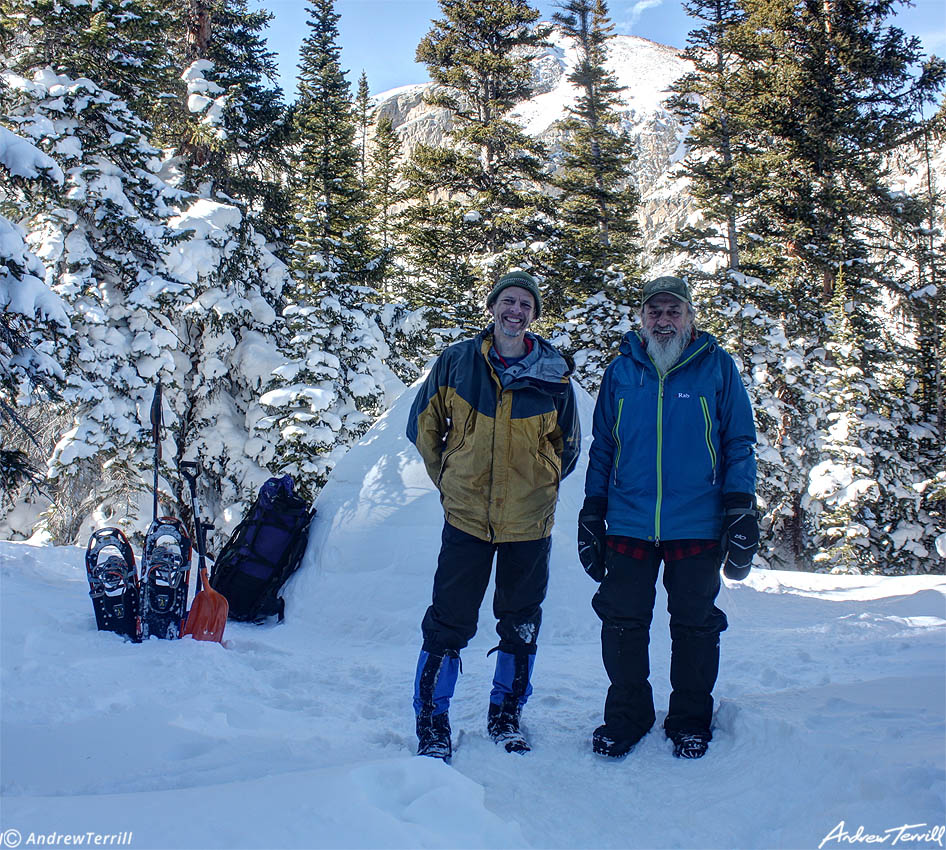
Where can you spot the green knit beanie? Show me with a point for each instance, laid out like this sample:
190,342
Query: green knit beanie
520,279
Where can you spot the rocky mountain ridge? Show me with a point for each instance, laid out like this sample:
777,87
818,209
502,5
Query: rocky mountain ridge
645,68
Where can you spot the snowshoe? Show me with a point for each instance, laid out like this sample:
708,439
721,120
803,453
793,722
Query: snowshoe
165,574
502,724
113,583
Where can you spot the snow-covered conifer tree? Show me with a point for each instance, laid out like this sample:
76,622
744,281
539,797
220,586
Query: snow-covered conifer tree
591,334
598,246
333,386
118,44
32,317
230,127
160,284
384,194
476,204
102,239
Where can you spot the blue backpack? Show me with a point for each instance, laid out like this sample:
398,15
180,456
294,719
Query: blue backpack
263,551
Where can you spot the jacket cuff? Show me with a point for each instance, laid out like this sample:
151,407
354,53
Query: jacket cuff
595,506
734,502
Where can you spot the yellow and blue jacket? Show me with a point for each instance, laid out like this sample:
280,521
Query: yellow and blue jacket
497,443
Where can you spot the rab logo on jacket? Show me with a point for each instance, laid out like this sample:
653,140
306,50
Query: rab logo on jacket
683,395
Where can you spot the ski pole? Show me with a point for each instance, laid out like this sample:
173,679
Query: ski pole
156,435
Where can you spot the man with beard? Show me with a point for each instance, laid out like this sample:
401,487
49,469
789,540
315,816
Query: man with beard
497,426
671,479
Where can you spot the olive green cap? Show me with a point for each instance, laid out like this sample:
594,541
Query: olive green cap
671,285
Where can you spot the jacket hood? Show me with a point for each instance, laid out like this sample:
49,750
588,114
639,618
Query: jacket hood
545,364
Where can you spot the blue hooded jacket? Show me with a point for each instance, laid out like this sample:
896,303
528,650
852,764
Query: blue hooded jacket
666,450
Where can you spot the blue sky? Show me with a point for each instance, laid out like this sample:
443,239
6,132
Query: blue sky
380,36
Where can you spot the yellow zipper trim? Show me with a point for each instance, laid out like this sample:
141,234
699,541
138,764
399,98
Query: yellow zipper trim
709,434
617,438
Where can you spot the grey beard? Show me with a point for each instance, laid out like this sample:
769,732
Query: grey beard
666,352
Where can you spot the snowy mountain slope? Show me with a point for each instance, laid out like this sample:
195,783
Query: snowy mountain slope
644,67
831,705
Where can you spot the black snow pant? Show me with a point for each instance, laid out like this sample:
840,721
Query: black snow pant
625,604
463,570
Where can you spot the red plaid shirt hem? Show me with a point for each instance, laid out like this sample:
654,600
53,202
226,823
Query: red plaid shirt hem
671,550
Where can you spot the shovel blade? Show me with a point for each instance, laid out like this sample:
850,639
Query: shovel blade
208,614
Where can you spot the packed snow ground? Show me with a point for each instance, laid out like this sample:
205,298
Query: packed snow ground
830,707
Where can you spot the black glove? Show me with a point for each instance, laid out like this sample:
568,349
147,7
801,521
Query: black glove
591,533
740,534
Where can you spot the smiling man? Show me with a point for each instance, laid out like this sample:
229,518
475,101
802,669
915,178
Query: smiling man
671,479
496,424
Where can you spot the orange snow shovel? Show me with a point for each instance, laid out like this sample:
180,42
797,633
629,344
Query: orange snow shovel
208,615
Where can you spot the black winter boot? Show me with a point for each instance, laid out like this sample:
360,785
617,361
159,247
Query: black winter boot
611,742
433,735
433,688
689,745
502,725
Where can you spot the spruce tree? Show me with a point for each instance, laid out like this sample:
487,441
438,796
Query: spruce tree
158,283
839,88
800,106
101,238
32,317
231,126
591,334
385,194
363,112
710,100
747,312
118,44
841,85
914,330
476,205
334,383
327,195
599,243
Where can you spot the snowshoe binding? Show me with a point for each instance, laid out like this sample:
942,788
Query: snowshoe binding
165,574
113,583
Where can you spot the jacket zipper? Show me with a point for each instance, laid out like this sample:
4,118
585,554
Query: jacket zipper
499,406
660,459
709,434
660,437
457,447
617,438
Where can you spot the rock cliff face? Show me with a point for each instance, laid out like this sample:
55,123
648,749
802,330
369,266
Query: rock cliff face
645,68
